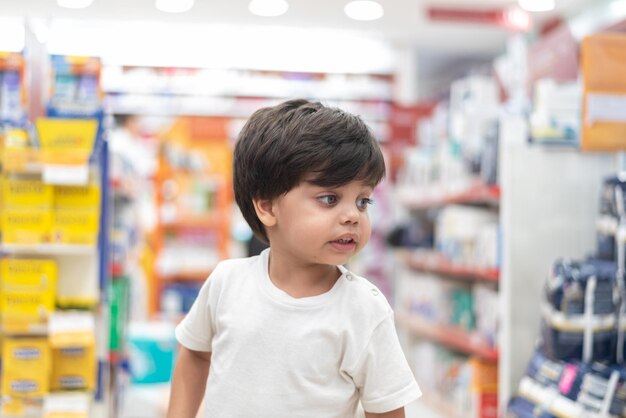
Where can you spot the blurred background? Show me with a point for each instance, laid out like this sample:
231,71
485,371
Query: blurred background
498,232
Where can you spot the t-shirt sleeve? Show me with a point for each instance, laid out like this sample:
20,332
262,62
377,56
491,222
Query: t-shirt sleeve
383,375
196,330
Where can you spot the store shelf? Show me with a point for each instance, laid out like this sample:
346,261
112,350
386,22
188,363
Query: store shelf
434,262
452,337
49,249
476,193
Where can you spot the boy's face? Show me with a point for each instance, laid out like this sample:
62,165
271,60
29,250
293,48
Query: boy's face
321,225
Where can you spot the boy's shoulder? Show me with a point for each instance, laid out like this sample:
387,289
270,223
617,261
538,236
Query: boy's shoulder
231,266
366,297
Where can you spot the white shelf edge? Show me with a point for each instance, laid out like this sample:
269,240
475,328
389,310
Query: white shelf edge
53,249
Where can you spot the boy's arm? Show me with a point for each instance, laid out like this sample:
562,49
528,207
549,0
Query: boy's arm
398,413
188,383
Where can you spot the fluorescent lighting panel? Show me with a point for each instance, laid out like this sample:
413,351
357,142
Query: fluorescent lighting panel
174,6
537,5
364,10
74,4
268,8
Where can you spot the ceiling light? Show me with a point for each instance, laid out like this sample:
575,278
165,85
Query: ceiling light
74,4
517,20
537,5
268,8
174,6
364,10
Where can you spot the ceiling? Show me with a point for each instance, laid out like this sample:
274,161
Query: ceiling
404,21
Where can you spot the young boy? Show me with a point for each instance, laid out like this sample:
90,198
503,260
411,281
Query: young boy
291,333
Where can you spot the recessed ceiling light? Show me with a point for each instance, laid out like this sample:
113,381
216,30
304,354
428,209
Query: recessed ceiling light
174,6
74,4
537,5
268,8
364,10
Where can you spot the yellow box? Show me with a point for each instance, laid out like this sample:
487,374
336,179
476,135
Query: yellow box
26,192
26,225
26,367
27,290
75,226
73,368
77,196
66,141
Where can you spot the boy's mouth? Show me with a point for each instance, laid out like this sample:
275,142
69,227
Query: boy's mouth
344,241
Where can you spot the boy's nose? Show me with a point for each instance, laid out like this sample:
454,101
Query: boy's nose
350,215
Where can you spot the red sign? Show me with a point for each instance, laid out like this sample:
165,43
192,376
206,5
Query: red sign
508,18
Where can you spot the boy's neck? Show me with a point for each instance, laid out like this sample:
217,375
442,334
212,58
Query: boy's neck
301,280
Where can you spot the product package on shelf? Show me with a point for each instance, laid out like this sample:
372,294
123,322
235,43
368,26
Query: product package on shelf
27,293
569,389
612,198
12,89
603,59
556,112
580,310
75,87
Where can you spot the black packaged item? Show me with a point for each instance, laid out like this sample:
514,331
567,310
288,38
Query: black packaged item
606,228
489,155
609,204
520,407
566,286
544,370
568,345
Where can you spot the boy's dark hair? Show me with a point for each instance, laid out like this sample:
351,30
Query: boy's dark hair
280,145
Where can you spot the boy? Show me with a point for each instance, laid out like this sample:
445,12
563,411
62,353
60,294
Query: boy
292,333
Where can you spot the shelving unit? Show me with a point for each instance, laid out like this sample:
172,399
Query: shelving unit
543,216
452,337
476,192
194,201
236,94
54,248
434,262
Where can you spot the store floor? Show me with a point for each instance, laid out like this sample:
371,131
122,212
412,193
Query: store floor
150,401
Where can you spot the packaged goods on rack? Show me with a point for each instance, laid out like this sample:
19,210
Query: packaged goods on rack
569,389
580,311
194,200
447,288
612,202
602,61
12,89
27,293
578,368
54,246
556,112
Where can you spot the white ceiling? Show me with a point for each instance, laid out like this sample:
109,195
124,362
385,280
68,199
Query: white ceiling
404,21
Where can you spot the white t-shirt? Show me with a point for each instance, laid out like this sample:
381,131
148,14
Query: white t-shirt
276,356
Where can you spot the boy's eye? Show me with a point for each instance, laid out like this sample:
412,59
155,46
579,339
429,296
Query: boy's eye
363,203
328,199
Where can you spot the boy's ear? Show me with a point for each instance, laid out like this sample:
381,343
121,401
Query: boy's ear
265,211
